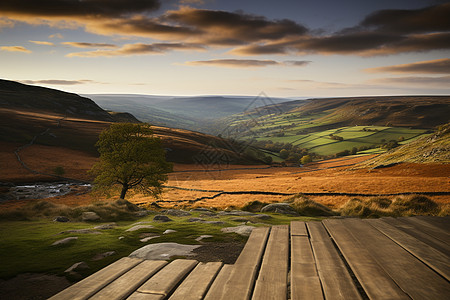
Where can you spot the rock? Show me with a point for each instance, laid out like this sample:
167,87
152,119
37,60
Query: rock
195,220
140,223
121,237
101,256
89,216
206,236
82,231
61,219
236,213
244,230
208,214
161,218
141,213
201,209
146,239
280,208
169,231
239,219
163,251
65,241
262,217
177,213
138,227
79,266
106,226
213,222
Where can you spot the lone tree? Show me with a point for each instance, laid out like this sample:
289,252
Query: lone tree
130,158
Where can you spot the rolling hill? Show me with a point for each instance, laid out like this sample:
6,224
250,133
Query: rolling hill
64,120
193,113
331,125
434,148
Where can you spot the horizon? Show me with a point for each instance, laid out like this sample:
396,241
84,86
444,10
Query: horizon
194,48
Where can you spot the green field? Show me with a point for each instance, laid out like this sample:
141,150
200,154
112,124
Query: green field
354,136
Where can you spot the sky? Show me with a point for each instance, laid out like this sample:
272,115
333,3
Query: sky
284,48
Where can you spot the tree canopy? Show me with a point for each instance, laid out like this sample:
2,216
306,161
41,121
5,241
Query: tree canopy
130,158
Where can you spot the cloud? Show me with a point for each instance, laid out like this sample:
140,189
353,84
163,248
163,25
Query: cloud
15,49
384,32
42,43
56,36
57,82
90,8
89,45
137,49
443,81
437,66
245,63
430,19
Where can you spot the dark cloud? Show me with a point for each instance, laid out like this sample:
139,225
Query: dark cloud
297,63
102,8
137,49
430,19
437,66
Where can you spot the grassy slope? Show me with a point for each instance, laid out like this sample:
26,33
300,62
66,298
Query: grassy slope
434,148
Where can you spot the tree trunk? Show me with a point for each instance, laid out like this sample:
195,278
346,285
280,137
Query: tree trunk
124,191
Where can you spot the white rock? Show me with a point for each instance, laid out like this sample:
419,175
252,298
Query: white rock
137,227
244,230
169,231
203,237
65,241
77,267
163,251
144,240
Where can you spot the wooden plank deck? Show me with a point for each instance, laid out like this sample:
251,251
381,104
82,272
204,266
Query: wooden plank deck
387,258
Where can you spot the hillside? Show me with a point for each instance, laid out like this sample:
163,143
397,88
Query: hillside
332,125
434,148
67,121
14,95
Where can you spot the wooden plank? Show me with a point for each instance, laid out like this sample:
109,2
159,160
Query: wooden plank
219,285
429,229
418,234
272,278
142,296
195,286
430,256
165,280
92,284
337,282
441,222
410,274
375,281
298,228
126,284
237,281
305,282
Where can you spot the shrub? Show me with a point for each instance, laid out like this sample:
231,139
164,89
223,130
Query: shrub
310,208
415,204
380,202
254,206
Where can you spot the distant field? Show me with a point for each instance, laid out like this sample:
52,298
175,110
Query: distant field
353,136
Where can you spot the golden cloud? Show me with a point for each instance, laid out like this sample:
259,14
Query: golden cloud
15,49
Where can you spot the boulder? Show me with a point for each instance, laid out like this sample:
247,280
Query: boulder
138,227
61,219
65,241
79,266
244,230
163,251
177,213
161,218
280,208
195,220
89,216
262,217
106,226
101,256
